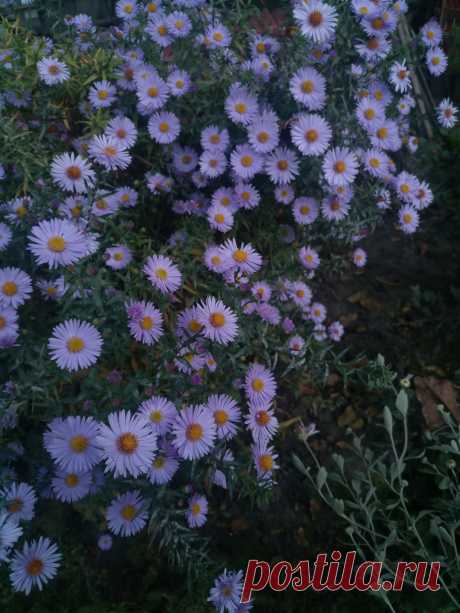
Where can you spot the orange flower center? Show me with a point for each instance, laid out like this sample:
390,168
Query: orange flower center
127,443
194,432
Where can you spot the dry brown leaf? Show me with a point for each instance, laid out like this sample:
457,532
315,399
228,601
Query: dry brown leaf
432,392
347,417
367,302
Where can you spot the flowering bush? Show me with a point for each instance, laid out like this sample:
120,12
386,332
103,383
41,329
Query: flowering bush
176,191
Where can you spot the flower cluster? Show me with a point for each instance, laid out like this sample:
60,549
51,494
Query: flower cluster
163,246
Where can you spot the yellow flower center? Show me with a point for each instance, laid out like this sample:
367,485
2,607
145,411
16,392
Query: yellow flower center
128,8
216,260
164,127
307,87
79,443
220,417
218,37
34,567
102,94
407,218
282,165
369,114
215,138
374,162
217,320
73,173
127,443
53,69
156,416
9,288
382,133
101,204
56,244
311,135
152,7
152,92
159,462
75,344
162,30
405,188
71,480
146,323
246,161
194,432
340,167
266,463
118,256
240,256
258,385
305,210
15,506
195,509
262,418
240,107
161,273
219,218
129,512
263,137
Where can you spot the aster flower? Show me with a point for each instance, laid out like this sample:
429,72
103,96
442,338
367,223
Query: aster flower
213,259
164,466
284,194
214,139
241,106
423,196
19,499
225,595
213,163
146,326
246,162
340,166
164,127
243,258
127,514
436,61
72,173
70,487
34,566
75,344
262,422
282,166
123,130
15,287
226,414
10,532
57,242
318,312
194,432
218,321
163,274
104,542
406,185
263,132
197,511
247,195
309,258
359,257
400,77
447,113
408,219
308,87
126,9
128,444
188,324
218,36
118,257
260,385
102,94
296,344
179,83
52,71
305,210
72,443
265,459
5,236
179,24
385,135
300,293
376,162
262,291
109,153
335,331
8,322
431,33
220,218
311,134
317,20
153,93
159,413
374,49
157,29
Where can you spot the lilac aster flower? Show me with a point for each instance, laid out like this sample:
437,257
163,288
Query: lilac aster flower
309,258
219,323
334,208
213,163
147,325
225,595
8,322
265,459
52,71
263,132
215,139
118,257
335,331
246,162
102,94
385,135
157,29
308,87
400,77
164,127
241,106
19,499
57,242
296,344
75,344
269,313
317,20
164,466
15,287
318,312
431,33
359,257
260,385
159,413
104,542
163,274
197,511
126,9
446,113
5,236
127,514
72,173
262,291
194,431
408,219
34,566
122,130
108,152
340,166
10,532
262,422
311,134
179,82
70,487
243,258
218,36
282,166
72,443
300,293
305,210
153,94
226,414
128,444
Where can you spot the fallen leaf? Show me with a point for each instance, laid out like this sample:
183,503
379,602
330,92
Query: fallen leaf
364,300
347,417
432,392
